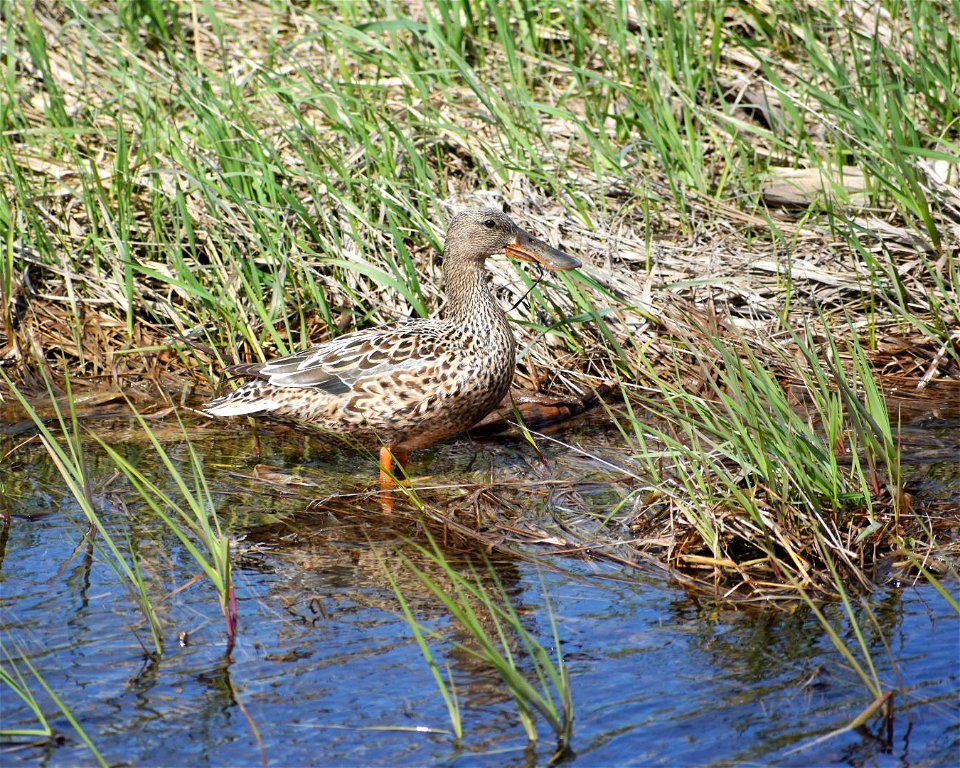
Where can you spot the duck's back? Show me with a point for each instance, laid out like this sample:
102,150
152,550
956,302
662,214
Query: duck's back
408,385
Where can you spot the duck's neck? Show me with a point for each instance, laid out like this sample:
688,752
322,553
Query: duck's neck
469,300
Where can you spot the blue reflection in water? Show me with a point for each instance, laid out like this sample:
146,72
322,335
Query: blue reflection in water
328,670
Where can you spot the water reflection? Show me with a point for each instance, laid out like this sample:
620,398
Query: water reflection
326,667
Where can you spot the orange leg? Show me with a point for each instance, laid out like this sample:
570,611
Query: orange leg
388,477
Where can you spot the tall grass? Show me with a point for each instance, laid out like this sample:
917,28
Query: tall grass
191,516
66,450
215,174
776,489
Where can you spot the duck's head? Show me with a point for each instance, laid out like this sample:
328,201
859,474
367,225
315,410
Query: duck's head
477,234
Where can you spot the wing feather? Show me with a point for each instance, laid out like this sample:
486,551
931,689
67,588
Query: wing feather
337,366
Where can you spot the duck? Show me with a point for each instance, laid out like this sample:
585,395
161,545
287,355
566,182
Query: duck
411,384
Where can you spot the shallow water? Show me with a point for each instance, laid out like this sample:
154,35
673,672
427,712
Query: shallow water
327,670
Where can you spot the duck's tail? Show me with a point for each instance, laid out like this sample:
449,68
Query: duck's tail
252,398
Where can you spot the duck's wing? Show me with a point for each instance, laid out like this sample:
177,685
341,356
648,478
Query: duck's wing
336,366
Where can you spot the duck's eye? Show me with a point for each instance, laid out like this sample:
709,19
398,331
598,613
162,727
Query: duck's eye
489,223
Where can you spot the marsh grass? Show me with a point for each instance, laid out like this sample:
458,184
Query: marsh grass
180,181
444,679
22,684
64,445
535,676
782,473
858,638
191,515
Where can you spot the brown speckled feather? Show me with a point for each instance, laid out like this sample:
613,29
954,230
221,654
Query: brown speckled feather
411,384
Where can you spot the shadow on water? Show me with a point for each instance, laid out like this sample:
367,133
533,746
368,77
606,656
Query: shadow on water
326,668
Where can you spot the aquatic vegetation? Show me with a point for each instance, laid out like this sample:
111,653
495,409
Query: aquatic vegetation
66,450
777,467
192,517
20,684
535,676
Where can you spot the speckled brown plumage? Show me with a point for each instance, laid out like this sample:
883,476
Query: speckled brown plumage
415,383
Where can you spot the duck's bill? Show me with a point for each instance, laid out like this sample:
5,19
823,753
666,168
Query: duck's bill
528,248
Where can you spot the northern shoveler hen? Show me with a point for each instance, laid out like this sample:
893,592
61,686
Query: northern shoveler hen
411,384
